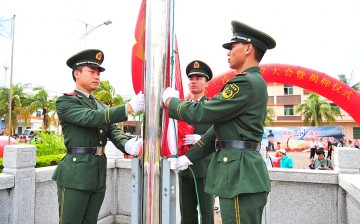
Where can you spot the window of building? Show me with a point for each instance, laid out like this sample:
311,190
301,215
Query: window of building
288,110
38,113
288,89
356,131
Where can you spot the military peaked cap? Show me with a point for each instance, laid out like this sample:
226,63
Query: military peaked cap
247,34
199,68
90,57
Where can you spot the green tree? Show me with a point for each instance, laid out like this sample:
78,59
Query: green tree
345,79
106,94
41,101
270,113
315,109
19,105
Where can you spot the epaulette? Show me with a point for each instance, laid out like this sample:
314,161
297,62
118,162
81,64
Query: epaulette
70,94
243,73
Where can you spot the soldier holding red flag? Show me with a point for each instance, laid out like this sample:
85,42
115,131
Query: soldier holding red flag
192,187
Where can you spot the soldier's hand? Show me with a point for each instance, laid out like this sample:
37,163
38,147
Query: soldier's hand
137,103
191,139
169,93
180,163
133,146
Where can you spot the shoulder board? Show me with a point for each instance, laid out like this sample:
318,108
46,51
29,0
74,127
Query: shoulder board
243,73
70,94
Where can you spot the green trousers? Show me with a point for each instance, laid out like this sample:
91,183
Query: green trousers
243,208
79,206
188,201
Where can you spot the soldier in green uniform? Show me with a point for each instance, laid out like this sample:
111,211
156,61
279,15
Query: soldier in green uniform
237,173
199,74
86,125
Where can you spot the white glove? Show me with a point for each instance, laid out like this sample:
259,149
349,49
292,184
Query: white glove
137,102
169,92
191,139
133,146
180,163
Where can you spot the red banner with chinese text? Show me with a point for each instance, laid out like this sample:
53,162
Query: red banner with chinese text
333,89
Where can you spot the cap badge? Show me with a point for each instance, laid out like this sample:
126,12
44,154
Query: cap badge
99,56
196,64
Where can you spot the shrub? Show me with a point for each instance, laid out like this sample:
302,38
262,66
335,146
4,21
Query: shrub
49,144
48,160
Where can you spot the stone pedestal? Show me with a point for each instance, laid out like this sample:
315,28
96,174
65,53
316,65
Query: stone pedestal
20,160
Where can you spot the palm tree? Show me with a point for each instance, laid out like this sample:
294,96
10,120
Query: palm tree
19,105
315,109
344,79
106,94
41,101
270,113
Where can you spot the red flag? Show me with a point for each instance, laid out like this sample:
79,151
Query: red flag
137,60
169,140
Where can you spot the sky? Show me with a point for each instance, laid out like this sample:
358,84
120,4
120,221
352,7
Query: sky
322,35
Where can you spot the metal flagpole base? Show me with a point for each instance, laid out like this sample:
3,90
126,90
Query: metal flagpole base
170,195
136,193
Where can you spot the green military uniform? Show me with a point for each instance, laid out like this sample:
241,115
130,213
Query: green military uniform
86,126
188,192
237,174
188,188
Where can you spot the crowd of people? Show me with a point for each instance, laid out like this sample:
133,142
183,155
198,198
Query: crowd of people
317,157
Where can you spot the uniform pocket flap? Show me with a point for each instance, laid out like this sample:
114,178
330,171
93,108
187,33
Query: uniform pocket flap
229,155
78,158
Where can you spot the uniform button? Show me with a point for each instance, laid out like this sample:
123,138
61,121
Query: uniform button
101,131
100,142
74,159
225,159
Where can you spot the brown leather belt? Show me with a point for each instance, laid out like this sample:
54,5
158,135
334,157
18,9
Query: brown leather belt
237,144
96,150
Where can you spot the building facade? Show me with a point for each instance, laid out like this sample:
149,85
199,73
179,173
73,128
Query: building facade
283,99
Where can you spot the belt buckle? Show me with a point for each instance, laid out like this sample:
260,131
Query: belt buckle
99,151
217,145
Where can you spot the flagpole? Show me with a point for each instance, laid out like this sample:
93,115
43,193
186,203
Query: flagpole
156,54
11,75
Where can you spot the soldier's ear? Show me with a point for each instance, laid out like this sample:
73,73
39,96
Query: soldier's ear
76,74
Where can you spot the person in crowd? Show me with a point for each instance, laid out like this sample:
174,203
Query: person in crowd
271,160
285,160
350,144
339,143
322,163
343,141
312,148
237,113
321,144
87,124
330,149
356,143
191,188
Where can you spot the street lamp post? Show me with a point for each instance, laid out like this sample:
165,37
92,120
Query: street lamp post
87,32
